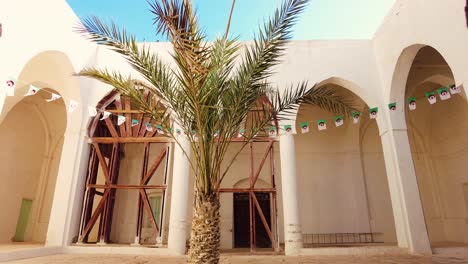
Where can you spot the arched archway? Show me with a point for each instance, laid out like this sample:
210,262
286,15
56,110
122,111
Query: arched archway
439,147
31,136
343,189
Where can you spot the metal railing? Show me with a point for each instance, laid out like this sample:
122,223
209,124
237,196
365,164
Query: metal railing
339,238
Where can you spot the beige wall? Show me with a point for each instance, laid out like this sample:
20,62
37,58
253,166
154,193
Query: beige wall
31,138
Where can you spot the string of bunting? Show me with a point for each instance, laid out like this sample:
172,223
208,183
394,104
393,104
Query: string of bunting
11,83
444,94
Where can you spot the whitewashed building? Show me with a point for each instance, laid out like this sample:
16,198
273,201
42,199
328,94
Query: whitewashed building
394,183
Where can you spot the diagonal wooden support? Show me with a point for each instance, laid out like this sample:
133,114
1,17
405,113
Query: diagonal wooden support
95,215
154,167
260,167
147,206
102,162
262,216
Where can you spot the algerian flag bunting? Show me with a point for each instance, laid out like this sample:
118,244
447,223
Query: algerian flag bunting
92,111
121,120
321,124
288,129
272,132
392,106
10,87
304,127
105,115
455,89
241,133
444,93
135,122
373,112
149,127
32,90
216,133
412,103
53,97
178,131
72,106
339,121
431,97
356,117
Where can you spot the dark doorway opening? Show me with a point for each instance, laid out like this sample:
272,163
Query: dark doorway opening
242,220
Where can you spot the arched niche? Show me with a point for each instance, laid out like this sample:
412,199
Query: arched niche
343,184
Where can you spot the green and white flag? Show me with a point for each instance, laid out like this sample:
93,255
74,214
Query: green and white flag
53,97
134,122
178,131
339,121
92,111
356,117
304,127
412,103
272,131
288,129
159,128
444,93
10,85
105,115
241,133
392,106
455,89
431,97
321,124
149,127
120,120
216,133
373,112
32,90
72,106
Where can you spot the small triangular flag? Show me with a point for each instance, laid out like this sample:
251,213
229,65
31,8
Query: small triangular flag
373,112
356,116
321,124
159,128
455,89
241,133
444,93
431,97
134,122
288,129
72,106
121,120
272,131
92,111
392,106
339,121
149,127
216,133
105,115
10,85
412,103
32,90
304,127
53,97
178,131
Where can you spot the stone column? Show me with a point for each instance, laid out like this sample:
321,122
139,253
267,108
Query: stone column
404,191
292,224
179,198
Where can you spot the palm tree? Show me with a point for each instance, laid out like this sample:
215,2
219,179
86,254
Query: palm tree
210,88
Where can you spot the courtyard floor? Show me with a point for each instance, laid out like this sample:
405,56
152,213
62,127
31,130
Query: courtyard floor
228,259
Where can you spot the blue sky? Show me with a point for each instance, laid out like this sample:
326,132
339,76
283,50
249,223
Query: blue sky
323,19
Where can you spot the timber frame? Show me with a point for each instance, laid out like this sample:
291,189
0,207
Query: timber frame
107,139
254,207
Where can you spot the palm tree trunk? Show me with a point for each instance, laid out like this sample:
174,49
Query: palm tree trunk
205,234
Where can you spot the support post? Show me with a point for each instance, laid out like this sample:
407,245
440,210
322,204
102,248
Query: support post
292,225
404,192
179,201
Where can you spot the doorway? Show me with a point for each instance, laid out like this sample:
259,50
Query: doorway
242,220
